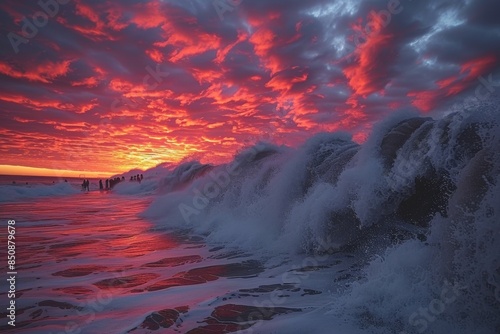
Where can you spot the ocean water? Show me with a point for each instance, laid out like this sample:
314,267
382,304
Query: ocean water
88,263
397,235
25,180
19,187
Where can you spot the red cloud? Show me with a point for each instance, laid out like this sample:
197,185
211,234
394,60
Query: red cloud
149,15
368,74
468,75
45,72
102,20
180,31
263,41
87,82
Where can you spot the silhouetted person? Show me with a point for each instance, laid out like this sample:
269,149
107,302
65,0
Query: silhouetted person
84,185
100,185
88,185
142,177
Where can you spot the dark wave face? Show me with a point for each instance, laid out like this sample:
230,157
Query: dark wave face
333,189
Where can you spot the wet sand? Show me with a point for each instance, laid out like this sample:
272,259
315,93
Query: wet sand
89,263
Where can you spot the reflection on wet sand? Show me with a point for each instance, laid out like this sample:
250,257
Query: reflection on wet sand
90,268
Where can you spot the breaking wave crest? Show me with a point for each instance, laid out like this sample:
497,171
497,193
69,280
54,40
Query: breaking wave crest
423,193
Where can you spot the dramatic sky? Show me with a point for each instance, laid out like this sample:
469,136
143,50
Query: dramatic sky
105,86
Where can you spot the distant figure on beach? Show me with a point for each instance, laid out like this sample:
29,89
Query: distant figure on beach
84,185
142,177
110,183
88,185
100,185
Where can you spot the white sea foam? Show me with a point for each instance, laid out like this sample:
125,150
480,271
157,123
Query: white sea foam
9,193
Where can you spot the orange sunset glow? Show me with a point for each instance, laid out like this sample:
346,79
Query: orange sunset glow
103,87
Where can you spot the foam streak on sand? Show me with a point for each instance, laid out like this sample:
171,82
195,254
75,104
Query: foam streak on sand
94,265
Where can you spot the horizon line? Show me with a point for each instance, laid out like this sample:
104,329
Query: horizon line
18,170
